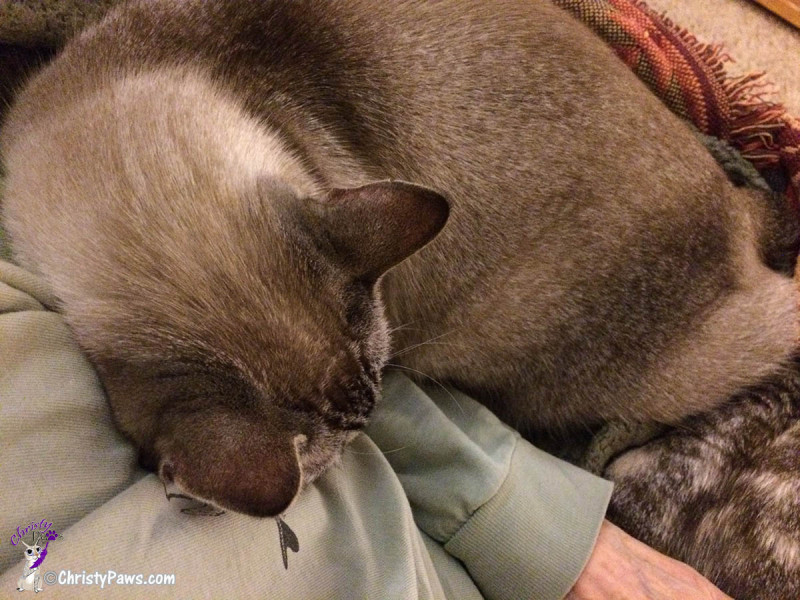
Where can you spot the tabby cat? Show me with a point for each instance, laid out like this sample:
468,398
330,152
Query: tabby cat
217,193
721,491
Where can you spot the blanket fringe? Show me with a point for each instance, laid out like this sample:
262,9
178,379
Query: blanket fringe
755,119
690,76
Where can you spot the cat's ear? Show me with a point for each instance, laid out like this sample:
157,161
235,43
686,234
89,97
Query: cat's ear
234,461
374,227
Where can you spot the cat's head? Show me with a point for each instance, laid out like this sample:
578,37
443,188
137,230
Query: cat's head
241,361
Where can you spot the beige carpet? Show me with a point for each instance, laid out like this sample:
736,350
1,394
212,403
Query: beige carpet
754,37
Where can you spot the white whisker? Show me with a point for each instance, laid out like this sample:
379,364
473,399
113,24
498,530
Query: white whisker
436,381
426,342
402,327
392,451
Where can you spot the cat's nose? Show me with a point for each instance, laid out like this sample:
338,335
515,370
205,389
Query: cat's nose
233,460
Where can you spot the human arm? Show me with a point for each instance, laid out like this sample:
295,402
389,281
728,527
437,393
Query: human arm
624,568
524,523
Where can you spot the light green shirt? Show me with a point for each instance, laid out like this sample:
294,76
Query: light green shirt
438,499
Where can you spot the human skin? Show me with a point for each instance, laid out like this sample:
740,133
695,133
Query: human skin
623,568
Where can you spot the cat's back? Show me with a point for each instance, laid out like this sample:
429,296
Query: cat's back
506,107
378,74
589,232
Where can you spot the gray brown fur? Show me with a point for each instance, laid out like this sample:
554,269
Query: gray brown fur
722,491
191,178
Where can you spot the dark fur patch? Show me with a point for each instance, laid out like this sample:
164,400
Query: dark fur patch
721,491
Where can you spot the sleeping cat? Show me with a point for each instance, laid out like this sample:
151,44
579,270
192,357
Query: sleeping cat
721,491
236,202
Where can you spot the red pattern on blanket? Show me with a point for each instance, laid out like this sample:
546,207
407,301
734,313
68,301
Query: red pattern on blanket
689,76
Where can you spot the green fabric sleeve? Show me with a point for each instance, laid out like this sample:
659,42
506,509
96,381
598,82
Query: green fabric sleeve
522,522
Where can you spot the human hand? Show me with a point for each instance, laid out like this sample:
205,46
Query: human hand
623,568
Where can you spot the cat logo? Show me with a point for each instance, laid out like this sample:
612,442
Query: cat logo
34,554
